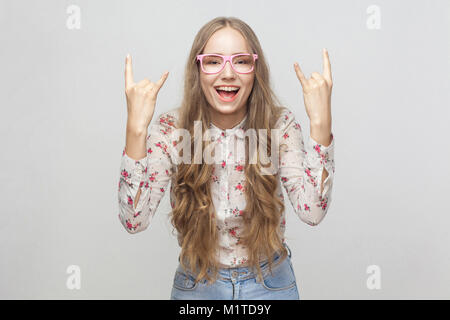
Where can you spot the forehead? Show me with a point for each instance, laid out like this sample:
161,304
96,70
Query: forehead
226,41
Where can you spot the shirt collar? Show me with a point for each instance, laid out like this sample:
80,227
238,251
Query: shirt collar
237,130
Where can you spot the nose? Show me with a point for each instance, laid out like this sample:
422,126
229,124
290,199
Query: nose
228,71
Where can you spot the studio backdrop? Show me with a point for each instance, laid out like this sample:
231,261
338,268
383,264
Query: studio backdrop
63,125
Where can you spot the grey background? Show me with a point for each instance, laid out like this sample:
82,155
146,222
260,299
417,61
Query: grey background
63,132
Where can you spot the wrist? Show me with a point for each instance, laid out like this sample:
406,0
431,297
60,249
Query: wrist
136,131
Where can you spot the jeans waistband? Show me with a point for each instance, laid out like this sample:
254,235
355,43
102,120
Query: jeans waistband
242,273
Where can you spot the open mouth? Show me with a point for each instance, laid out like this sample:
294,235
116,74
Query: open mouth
227,95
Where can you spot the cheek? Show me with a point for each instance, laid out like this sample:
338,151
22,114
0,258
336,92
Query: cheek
249,83
206,85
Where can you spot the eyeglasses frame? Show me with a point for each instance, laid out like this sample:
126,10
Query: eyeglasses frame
226,58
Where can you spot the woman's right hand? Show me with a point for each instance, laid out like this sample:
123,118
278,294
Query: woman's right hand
141,99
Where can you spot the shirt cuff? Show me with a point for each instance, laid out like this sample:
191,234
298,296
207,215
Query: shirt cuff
320,156
133,171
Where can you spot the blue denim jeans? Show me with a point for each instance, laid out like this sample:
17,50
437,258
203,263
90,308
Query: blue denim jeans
240,283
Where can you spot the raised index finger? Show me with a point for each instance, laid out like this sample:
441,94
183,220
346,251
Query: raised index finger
128,72
326,66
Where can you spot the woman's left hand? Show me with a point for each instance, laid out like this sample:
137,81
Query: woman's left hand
317,93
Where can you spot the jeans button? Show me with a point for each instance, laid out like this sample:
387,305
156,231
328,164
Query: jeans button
234,274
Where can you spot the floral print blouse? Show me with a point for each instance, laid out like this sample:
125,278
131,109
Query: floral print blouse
299,171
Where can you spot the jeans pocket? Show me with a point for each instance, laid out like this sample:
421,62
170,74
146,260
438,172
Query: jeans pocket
282,277
183,281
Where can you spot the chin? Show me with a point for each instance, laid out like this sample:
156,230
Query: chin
226,109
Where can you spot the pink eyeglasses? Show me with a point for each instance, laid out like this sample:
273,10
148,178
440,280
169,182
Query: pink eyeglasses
214,63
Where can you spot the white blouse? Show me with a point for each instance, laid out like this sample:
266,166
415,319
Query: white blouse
299,171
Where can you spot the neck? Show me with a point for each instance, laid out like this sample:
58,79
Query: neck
227,121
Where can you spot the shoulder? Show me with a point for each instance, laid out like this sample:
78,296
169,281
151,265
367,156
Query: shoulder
163,125
286,118
167,119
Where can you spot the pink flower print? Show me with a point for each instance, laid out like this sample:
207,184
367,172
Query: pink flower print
167,172
232,231
285,136
169,120
308,172
130,201
242,261
283,222
149,150
284,179
297,126
161,189
237,213
152,176
123,153
323,202
239,168
317,148
174,143
323,159
223,164
146,185
239,187
228,196
141,184
306,207
163,146
125,174
137,214
286,116
214,178
312,181
130,226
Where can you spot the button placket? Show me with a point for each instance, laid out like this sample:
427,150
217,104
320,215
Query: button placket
224,156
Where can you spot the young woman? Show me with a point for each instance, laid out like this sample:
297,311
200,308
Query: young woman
229,215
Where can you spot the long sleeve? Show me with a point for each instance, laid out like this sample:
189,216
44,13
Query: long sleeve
301,171
151,174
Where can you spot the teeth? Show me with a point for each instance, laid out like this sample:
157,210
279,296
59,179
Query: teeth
228,88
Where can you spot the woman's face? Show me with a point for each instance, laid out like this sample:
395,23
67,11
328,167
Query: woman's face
227,41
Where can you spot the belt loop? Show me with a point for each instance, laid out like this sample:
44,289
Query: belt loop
289,249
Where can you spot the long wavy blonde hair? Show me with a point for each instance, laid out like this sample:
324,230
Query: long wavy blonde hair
193,214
